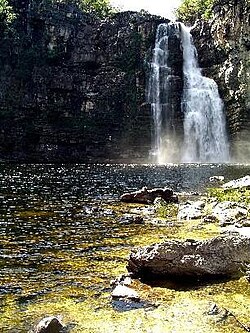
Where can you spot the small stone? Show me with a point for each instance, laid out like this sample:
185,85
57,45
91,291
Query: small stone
121,291
216,179
214,309
123,279
49,325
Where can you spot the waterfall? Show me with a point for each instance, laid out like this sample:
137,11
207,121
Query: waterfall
161,83
205,137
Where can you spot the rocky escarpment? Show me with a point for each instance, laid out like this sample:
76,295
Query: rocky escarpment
223,46
72,87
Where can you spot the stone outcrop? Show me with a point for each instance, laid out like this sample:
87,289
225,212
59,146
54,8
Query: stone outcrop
223,46
239,183
72,86
219,256
228,212
146,196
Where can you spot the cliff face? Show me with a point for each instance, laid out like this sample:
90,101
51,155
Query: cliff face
72,87
224,53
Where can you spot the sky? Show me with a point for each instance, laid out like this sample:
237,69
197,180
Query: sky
163,8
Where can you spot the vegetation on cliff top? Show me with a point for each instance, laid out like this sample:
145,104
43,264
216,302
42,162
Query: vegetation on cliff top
191,10
6,13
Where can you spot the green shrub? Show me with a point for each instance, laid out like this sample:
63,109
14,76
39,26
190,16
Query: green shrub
191,10
236,195
7,14
101,8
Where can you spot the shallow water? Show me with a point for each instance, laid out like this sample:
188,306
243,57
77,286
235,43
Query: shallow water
62,241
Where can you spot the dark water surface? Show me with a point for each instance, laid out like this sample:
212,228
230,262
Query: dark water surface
59,236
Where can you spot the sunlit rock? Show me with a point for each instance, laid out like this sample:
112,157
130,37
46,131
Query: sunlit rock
122,291
216,179
191,210
228,212
49,325
238,183
219,256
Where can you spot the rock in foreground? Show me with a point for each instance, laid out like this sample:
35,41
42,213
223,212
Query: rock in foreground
49,325
219,256
146,196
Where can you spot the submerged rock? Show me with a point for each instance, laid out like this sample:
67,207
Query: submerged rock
219,256
49,325
146,196
131,218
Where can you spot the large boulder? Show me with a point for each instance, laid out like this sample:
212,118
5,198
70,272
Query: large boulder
219,256
146,196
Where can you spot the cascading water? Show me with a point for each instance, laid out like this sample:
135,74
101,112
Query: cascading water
205,138
161,82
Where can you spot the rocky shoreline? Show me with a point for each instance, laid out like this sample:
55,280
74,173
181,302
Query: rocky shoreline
178,262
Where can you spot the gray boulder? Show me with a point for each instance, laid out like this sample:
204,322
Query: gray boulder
219,256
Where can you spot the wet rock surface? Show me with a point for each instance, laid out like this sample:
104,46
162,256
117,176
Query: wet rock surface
223,46
78,91
146,196
219,256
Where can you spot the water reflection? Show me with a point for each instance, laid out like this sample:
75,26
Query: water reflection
58,234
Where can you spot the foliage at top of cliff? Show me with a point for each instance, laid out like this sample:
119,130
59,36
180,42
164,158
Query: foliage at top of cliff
191,10
6,12
102,8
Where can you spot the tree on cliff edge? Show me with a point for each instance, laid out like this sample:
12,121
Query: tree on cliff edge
6,14
191,10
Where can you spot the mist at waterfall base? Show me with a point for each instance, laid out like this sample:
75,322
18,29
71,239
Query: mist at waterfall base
203,138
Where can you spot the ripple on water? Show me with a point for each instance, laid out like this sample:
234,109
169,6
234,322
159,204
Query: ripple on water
61,244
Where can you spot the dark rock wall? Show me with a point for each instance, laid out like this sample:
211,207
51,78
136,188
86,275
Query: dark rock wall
224,53
72,87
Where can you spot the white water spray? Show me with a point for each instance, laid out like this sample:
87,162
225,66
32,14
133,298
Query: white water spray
205,137
164,147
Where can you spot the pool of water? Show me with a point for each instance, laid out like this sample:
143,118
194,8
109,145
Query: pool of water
62,241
